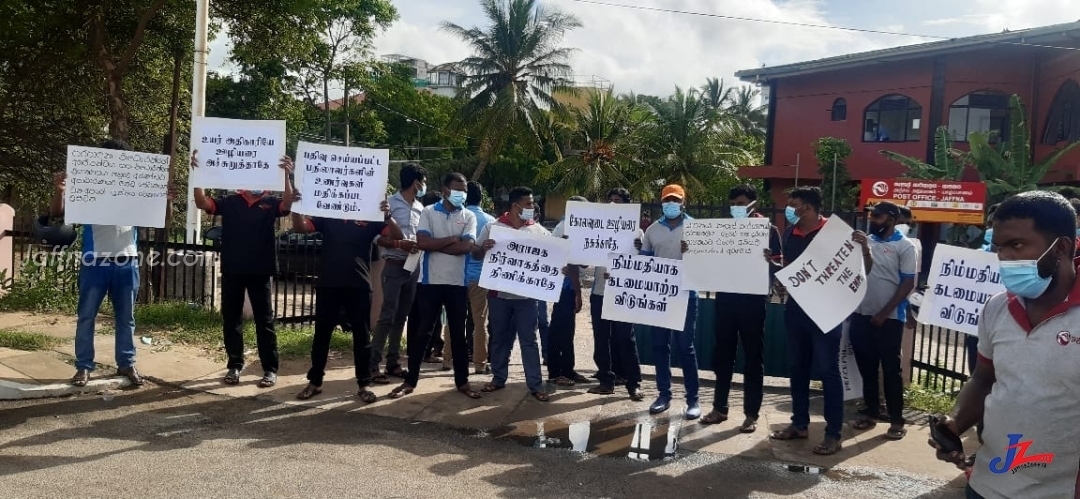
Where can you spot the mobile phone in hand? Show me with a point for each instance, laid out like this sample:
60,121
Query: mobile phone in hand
948,441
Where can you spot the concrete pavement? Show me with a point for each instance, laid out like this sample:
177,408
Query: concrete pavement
602,426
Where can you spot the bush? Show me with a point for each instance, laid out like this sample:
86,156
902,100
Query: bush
47,282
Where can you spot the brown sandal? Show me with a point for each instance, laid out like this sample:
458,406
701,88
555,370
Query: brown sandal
790,433
827,447
602,390
379,378
563,381
491,388
367,396
308,392
714,417
541,396
864,424
468,391
401,391
748,426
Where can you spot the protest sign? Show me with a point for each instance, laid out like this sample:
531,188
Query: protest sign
849,369
238,154
727,255
828,280
345,183
525,264
596,229
112,187
645,290
961,281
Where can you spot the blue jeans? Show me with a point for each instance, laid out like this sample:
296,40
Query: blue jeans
542,327
684,343
510,319
817,355
121,284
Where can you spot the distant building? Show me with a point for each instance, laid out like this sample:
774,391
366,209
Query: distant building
444,79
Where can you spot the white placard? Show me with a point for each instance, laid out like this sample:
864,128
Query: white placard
727,255
645,290
849,369
412,261
525,264
346,183
961,281
112,187
596,229
238,154
828,281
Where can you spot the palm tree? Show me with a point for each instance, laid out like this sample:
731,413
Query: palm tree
716,95
606,133
948,162
744,108
517,67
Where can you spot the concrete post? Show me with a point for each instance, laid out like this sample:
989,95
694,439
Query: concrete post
7,251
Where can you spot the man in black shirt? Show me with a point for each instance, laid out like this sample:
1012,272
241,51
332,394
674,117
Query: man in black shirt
344,283
248,262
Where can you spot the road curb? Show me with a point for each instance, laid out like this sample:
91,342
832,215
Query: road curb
19,391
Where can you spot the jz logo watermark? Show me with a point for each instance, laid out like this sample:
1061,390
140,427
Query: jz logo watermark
1016,457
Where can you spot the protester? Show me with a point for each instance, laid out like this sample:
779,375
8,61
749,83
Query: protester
877,326
476,325
614,345
447,232
742,317
664,239
511,315
810,349
563,323
248,263
1027,380
109,266
398,284
344,283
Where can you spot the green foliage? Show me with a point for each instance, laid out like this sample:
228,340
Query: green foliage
838,193
27,341
948,162
47,282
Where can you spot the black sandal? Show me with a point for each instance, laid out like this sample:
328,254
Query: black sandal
714,417
896,433
491,388
602,390
308,392
367,396
864,424
269,379
748,426
397,372
401,391
379,378
790,433
541,396
233,377
468,391
827,447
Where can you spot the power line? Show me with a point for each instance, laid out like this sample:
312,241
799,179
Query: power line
750,19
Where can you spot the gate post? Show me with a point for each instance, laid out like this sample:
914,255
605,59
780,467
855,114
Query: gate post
7,250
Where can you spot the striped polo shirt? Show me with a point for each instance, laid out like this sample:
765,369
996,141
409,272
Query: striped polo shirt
1031,438
437,222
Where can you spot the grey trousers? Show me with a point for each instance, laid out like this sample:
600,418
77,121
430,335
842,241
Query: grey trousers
399,289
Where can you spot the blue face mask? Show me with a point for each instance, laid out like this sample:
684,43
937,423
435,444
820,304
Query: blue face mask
988,236
741,211
457,198
672,210
789,214
422,191
1021,277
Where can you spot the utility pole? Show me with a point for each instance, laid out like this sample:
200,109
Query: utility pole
198,109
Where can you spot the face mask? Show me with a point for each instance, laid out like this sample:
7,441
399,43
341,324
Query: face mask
988,236
877,229
457,198
741,211
422,191
528,213
1021,277
1078,232
904,229
789,214
672,210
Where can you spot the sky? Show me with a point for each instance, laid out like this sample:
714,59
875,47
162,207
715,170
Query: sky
651,52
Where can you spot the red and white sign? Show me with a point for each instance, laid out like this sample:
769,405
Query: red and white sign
929,200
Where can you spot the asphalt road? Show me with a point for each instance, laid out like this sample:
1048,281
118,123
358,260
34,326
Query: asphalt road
160,442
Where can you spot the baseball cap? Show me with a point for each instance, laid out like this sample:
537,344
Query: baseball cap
886,208
673,191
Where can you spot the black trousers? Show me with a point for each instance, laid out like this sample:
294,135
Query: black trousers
329,302
560,356
435,344
876,346
257,287
613,340
432,298
740,318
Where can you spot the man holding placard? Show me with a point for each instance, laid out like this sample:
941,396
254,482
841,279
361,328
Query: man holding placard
447,232
248,263
877,327
664,239
810,349
398,282
109,267
343,284
513,316
614,345
742,317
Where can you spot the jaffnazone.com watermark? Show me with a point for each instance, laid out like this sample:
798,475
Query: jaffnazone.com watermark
152,258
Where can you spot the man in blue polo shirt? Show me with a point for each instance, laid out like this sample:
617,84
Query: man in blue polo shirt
664,239
447,232
476,325
1027,381
877,327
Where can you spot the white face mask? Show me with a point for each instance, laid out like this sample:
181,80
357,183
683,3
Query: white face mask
904,229
528,213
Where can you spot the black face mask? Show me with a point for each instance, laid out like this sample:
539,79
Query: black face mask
877,229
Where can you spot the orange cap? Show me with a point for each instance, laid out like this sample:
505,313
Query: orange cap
673,191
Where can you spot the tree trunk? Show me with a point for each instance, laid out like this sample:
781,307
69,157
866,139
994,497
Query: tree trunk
485,155
118,112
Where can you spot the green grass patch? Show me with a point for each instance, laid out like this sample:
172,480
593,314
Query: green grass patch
31,342
932,402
